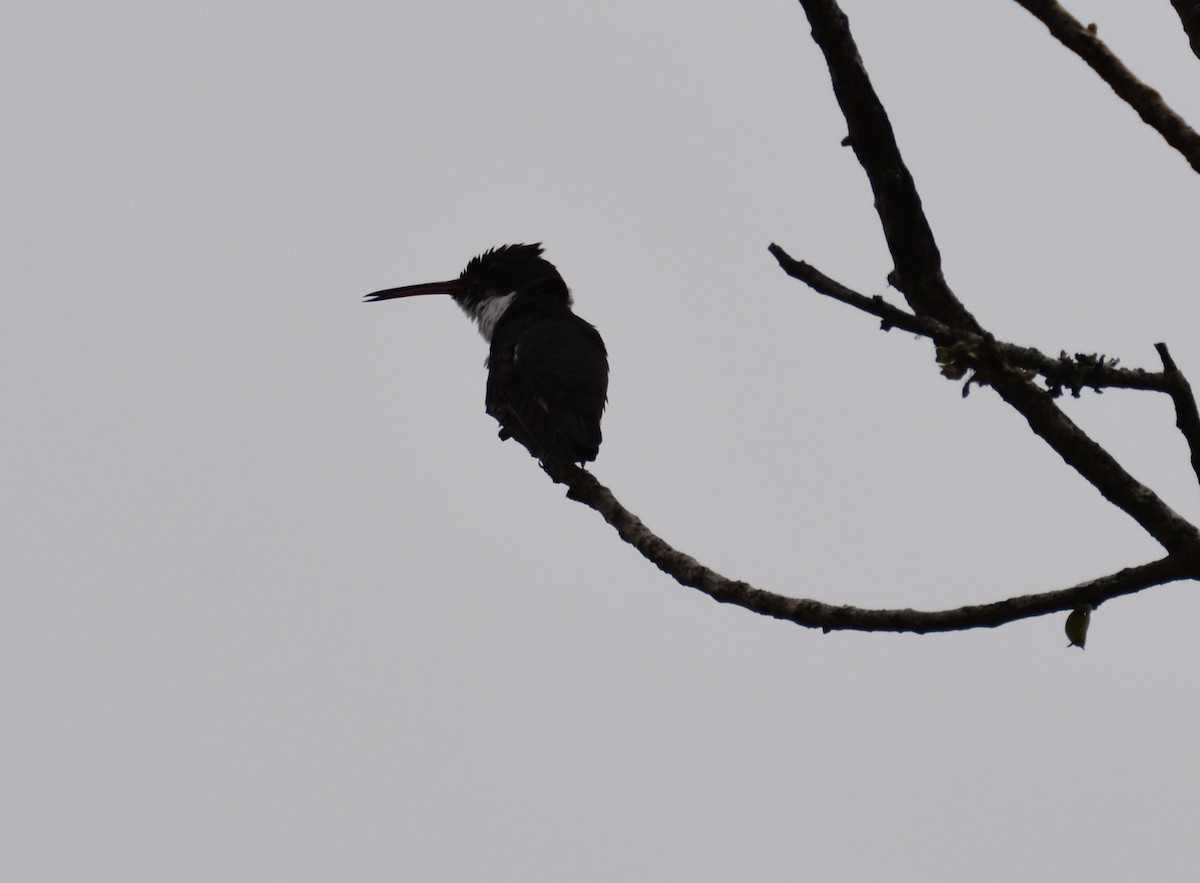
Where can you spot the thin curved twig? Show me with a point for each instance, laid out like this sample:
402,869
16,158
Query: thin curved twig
1073,374
583,487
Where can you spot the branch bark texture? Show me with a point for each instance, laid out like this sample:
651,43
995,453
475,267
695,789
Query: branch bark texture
910,242
918,263
583,487
1187,416
1189,17
1147,102
964,347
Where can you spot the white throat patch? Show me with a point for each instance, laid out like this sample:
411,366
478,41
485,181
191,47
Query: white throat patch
488,313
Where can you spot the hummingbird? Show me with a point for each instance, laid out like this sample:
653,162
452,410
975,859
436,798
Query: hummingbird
547,378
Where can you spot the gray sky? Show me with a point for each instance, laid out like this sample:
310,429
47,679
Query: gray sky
278,605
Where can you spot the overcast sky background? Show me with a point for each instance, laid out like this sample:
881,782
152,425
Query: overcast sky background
277,605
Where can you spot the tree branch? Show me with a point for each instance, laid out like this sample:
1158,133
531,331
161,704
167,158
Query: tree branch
1189,17
1187,417
989,359
1147,102
918,263
938,314
1074,374
918,267
583,487
1087,457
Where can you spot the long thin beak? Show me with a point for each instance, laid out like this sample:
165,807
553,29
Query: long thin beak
450,286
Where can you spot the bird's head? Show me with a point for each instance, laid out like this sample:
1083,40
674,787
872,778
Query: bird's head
490,282
508,269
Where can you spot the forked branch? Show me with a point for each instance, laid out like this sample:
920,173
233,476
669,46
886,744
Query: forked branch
964,346
1064,373
918,256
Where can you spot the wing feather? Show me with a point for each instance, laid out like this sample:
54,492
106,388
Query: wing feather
548,384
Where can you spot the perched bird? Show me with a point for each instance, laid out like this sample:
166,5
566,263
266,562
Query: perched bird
547,368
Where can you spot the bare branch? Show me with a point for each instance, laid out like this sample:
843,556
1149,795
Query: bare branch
918,264
989,359
1074,374
1147,102
1189,17
938,314
583,487
1187,417
918,267
1087,457
994,364
892,316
